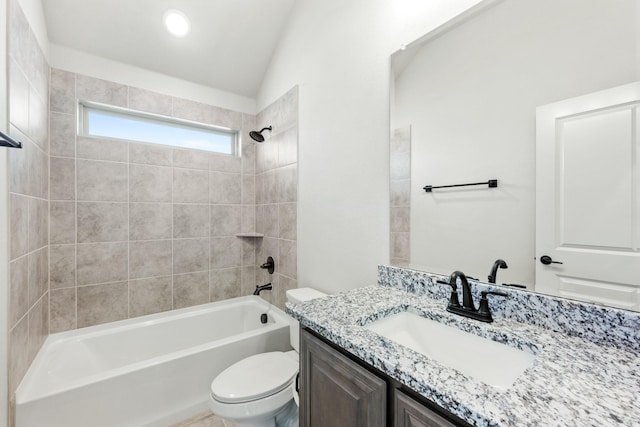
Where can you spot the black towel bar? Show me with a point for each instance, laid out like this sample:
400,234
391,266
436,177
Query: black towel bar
492,183
7,141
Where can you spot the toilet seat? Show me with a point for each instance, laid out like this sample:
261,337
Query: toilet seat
255,377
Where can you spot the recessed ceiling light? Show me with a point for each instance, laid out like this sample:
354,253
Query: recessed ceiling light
176,22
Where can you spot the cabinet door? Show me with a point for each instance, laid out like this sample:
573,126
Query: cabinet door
409,413
335,391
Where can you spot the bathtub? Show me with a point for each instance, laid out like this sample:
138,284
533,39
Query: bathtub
149,371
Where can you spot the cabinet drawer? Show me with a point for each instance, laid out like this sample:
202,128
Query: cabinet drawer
410,413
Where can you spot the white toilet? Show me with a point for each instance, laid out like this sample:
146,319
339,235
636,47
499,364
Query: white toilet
259,391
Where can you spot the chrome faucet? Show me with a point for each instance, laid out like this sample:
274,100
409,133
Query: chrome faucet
468,309
500,263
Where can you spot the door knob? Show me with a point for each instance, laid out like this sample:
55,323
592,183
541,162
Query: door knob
546,260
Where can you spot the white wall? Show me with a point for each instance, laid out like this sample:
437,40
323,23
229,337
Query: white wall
4,220
338,52
470,96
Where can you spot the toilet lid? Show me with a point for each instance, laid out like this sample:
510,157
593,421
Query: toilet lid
255,377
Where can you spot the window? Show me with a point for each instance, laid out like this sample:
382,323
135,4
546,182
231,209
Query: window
112,122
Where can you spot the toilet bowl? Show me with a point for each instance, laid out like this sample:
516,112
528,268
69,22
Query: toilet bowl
258,391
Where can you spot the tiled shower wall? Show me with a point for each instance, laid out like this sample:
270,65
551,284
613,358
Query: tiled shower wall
277,194
28,200
141,228
400,215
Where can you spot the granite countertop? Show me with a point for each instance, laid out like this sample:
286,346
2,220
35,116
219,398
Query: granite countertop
573,381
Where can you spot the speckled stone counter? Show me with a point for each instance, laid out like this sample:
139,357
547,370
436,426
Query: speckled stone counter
575,380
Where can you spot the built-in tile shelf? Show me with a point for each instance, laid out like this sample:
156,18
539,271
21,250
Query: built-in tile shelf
251,235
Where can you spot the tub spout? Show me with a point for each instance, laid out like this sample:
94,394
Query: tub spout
259,289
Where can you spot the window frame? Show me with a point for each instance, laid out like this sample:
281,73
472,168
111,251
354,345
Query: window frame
85,107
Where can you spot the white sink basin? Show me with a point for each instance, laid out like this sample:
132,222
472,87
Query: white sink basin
491,362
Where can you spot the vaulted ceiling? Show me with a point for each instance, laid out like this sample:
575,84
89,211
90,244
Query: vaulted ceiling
229,47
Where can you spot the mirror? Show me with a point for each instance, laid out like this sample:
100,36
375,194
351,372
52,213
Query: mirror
463,110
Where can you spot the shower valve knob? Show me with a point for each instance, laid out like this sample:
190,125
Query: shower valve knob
270,265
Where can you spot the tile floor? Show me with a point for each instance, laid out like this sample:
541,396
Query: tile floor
203,420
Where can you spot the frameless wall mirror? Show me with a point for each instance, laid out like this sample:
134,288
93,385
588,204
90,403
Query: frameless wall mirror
464,106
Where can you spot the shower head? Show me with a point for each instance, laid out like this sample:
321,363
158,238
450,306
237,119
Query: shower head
257,136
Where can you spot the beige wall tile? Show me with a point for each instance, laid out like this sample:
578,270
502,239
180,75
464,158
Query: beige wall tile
225,220
18,290
151,102
102,262
102,181
225,284
38,274
284,284
19,164
102,222
249,158
62,310
102,91
19,213
62,218
248,189
225,252
287,146
150,183
248,218
38,224
400,217
150,259
102,303
225,163
190,289
150,154
18,98
62,266
62,128
400,193
63,93
267,247
249,246
63,178
269,220
191,110
248,280
38,164
93,148
191,159
400,165
400,246
225,188
269,191
287,178
38,120
190,186
38,325
287,218
150,221
190,221
225,118
148,296
288,257
190,255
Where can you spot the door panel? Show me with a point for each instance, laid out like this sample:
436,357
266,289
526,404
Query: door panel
588,197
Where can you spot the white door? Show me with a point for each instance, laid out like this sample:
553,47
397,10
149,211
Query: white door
588,197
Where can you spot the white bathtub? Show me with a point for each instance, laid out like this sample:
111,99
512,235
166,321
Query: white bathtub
148,371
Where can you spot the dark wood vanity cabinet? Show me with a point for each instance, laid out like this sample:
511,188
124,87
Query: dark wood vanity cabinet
410,413
338,391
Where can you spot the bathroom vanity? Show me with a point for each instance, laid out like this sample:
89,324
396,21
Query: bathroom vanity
584,370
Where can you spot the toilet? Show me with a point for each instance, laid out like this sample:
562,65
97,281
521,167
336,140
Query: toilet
259,391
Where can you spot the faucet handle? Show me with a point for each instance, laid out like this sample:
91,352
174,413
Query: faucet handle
453,299
483,309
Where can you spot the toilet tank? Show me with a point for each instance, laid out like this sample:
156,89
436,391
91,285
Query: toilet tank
296,296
